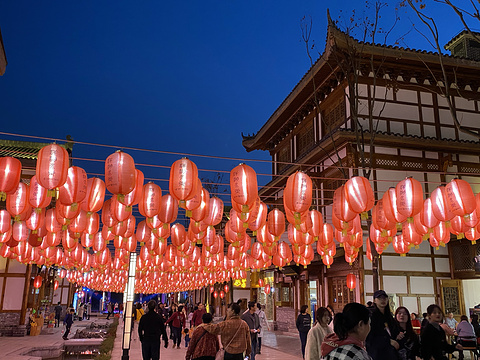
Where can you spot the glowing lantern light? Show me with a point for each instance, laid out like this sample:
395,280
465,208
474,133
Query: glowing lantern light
409,195
168,209
215,294
134,196
149,205
17,202
359,195
460,198
37,282
55,285
391,208
222,294
243,185
276,223
52,166
297,195
183,180
215,212
351,281
94,196
212,289
75,188
226,288
260,282
37,195
120,173
341,207
267,289
10,172
439,204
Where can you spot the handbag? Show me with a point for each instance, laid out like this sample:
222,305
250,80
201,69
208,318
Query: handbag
221,353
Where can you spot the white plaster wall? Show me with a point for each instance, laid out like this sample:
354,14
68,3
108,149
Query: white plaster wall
405,263
421,285
423,249
468,118
426,98
471,293
410,303
395,284
368,284
13,293
413,129
424,302
399,111
447,133
64,296
468,158
427,115
367,264
241,294
441,101
462,103
15,267
397,127
411,153
442,265
441,250
384,150
429,131
407,95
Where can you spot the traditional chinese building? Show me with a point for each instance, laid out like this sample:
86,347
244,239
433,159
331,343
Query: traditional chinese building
368,107
18,296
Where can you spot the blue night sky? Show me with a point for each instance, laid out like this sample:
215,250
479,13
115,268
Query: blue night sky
185,77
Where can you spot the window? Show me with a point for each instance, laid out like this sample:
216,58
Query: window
334,116
305,139
340,294
284,156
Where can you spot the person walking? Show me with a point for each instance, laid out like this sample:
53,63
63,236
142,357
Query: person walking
434,343
380,344
109,310
303,323
253,322
466,335
408,342
80,311
351,329
58,313
198,314
177,321
234,334
317,333
263,325
150,328
203,345
68,323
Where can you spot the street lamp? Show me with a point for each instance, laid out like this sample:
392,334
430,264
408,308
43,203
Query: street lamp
129,294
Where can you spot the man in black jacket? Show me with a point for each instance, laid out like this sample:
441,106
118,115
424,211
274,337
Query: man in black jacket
150,328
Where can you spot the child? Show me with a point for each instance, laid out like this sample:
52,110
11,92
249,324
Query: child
186,334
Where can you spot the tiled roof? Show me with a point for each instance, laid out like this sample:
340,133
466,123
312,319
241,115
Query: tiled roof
22,149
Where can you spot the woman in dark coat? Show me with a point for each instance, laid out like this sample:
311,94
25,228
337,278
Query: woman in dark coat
409,344
380,344
434,343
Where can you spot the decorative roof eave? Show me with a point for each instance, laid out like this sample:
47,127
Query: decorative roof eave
339,39
25,149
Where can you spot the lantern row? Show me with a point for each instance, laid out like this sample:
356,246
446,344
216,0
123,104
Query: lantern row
34,232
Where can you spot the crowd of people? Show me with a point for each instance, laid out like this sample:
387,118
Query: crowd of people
374,333
239,333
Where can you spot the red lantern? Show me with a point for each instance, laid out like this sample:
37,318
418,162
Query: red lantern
276,223
10,172
409,194
267,289
37,282
212,289
298,194
37,195
460,198
222,294
215,294
260,282
261,218
94,196
226,288
215,212
52,166
168,209
17,202
391,208
183,180
199,213
243,185
341,207
359,195
149,205
439,204
75,188
134,196
351,281
120,173
55,285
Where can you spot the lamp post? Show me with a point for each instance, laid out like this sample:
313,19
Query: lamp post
129,294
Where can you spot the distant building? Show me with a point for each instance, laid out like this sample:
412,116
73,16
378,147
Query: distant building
410,133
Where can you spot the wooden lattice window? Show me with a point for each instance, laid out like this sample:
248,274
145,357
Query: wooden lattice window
305,139
284,156
334,116
340,294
